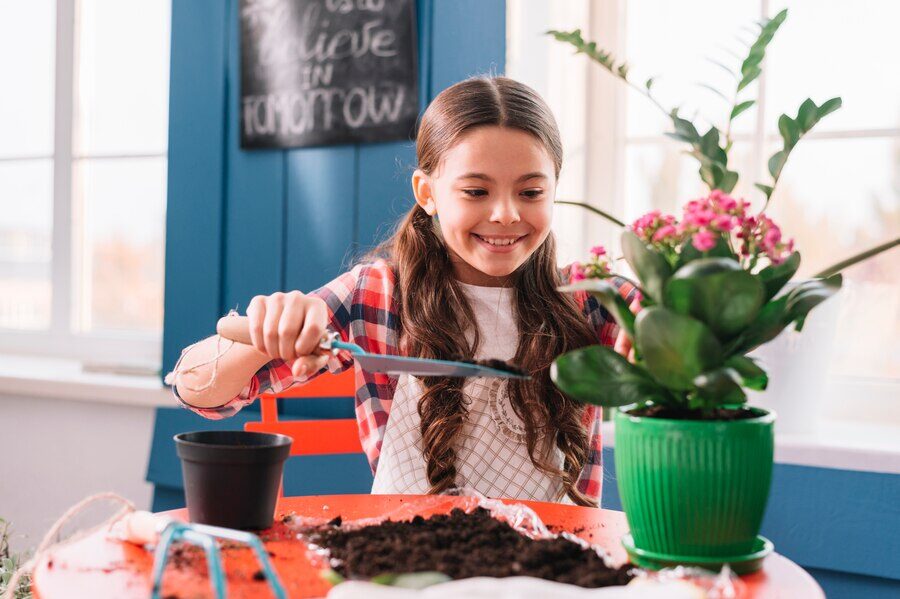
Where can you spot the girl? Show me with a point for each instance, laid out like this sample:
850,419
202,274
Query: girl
470,271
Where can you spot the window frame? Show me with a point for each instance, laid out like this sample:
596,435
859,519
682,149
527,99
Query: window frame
605,177
99,349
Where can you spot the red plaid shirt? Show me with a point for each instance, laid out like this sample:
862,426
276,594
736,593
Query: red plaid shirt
362,309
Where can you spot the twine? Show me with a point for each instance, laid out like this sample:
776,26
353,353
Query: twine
47,543
173,377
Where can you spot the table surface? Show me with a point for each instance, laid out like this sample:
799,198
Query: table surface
99,567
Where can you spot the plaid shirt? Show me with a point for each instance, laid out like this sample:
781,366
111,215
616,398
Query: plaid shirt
362,309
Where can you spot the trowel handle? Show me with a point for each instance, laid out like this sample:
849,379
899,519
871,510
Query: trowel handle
237,328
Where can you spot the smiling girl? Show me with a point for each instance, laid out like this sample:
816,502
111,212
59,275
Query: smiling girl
470,271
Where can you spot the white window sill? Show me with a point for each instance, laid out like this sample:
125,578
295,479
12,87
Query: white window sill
839,444
56,378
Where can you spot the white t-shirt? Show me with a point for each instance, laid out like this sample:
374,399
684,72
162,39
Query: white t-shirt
492,457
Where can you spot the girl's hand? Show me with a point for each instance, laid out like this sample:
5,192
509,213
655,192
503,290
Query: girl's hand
289,327
623,345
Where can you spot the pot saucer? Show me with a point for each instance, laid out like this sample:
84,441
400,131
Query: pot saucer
740,564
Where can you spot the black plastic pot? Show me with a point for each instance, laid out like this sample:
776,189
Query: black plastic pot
231,478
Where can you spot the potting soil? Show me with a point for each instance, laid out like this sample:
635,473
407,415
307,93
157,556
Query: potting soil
461,545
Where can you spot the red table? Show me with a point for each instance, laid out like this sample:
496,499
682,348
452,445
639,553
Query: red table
99,568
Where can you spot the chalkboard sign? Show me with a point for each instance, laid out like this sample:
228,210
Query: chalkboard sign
320,72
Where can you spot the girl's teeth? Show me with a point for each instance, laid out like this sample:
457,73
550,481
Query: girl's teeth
499,241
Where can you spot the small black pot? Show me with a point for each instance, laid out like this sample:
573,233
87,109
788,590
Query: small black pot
231,478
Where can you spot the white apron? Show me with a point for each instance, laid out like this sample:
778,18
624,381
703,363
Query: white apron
492,457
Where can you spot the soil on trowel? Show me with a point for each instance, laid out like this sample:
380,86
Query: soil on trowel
462,545
492,363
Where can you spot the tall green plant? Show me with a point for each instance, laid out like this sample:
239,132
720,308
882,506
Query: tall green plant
711,148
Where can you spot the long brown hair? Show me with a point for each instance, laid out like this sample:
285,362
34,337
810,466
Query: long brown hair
434,314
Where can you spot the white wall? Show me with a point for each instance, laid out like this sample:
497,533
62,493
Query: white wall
56,452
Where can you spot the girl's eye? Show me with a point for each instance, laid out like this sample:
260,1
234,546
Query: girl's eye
533,194
475,193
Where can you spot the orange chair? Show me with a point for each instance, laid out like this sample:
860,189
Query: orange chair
313,437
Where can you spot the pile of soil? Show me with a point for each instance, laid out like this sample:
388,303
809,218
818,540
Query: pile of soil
676,413
461,545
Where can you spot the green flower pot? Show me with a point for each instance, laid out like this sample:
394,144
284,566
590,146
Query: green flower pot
694,489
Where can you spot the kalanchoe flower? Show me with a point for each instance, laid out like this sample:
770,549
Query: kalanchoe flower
576,272
704,240
723,222
648,228
705,222
597,268
665,233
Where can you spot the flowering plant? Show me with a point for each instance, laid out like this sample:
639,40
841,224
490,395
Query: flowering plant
711,286
712,282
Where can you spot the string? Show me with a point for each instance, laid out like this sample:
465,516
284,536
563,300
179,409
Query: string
48,541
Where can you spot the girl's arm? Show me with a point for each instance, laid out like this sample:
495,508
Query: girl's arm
244,372
285,330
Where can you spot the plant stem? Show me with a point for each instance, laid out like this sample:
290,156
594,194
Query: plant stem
597,211
836,268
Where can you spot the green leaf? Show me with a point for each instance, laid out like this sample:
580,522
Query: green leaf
728,181
650,266
775,276
789,130
776,163
603,57
772,319
828,107
807,115
749,77
684,129
675,348
751,375
649,83
809,294
610,298
718,292
750,67
709,145
718,387
766,189
741,108
598,375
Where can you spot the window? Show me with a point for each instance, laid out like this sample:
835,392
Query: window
83,178
840,191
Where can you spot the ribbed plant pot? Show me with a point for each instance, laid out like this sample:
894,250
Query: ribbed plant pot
694,489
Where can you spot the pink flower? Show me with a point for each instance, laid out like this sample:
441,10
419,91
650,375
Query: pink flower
699,218
723,201
664,232
598,250
704,240
576,273
723,222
